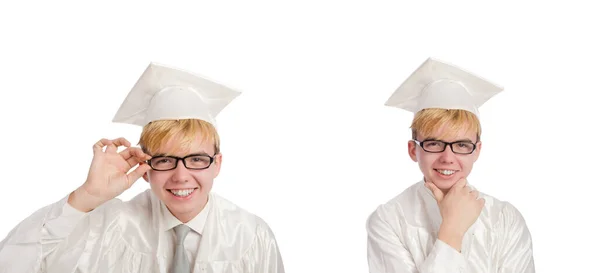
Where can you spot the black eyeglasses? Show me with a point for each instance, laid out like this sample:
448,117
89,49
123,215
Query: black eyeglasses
438,146
192,162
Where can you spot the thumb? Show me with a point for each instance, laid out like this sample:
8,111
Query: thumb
437,193
137,173
481,203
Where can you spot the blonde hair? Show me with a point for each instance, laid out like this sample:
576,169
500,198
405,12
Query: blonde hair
157,133
428,121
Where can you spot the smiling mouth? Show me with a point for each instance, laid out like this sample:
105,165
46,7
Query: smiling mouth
446,172
183,192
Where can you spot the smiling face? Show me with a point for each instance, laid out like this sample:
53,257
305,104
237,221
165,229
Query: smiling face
184,191
444,168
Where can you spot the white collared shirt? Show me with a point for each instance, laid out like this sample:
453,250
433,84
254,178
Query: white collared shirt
192,240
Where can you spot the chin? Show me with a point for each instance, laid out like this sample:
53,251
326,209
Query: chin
180,209
443,183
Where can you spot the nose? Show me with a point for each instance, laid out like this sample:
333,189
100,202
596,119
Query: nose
180,173
447,156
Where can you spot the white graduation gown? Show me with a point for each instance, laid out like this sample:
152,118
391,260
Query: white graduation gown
133,237
402,238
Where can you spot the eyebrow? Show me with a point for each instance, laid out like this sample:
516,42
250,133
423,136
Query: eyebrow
460,140
199,153
464,140
192,154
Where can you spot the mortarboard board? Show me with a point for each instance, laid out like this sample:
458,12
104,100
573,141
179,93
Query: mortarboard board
167,93
436,84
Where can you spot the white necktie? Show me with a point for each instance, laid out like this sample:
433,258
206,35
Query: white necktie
180,261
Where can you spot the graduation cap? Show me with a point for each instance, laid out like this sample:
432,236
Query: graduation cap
436,84
167,93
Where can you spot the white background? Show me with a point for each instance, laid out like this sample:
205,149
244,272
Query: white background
309,145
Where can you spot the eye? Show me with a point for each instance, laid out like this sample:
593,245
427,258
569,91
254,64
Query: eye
433,144
162,160
200,159
464,147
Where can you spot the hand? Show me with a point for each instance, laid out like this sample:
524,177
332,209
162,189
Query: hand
459,208
108,174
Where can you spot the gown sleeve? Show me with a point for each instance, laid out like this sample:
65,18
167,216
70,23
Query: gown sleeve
515,250
268,256
386,252
53,237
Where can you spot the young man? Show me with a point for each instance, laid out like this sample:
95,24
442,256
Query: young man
442,224
178,225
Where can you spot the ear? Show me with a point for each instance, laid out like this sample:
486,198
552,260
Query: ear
145,176
477,151
412,150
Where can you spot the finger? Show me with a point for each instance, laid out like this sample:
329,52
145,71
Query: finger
128,153
137,173
132,152
140,153
135,160
474,194
98,146
143,155
460,183
437,193
122,142
112,148
133,156
467,189
481,202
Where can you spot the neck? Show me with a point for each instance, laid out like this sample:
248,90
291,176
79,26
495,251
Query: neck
187,216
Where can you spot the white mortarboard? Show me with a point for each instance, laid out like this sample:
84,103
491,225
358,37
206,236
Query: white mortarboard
167,93
436,84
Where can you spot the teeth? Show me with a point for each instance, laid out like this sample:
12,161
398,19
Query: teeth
182,193
446,172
